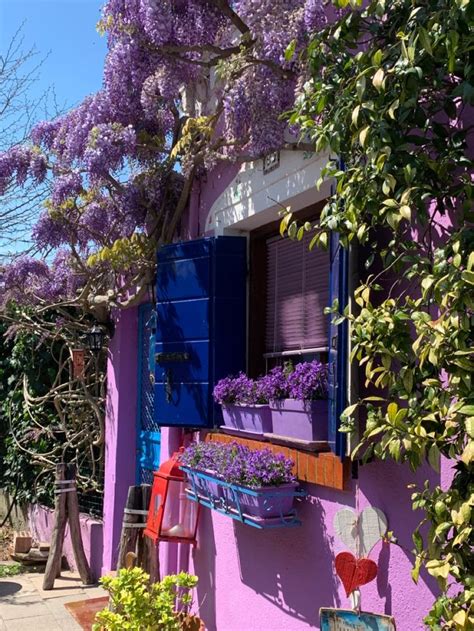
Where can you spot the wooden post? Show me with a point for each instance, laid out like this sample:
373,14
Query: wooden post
53,566
75,530
130,532
147,549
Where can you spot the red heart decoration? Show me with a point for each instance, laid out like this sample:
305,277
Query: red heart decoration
354,572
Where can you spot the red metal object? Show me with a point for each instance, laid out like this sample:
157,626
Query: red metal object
78,363
354,572
171,515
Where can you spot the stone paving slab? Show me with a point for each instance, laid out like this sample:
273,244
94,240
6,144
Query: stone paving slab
25,606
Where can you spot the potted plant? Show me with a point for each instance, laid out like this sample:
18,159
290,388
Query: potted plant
298,400
205,457
137,604
244,405
260,482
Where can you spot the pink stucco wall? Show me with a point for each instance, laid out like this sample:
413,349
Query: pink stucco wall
41,521
276,580
120,430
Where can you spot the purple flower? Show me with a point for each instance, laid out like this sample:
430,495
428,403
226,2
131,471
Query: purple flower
238,464
308,381
240,389
275,384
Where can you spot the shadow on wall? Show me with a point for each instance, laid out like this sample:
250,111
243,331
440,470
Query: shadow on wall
293,568
402,520
204,561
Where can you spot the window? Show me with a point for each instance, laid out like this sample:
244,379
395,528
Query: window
297,281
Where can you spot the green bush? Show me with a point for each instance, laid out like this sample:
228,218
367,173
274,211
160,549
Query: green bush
137,605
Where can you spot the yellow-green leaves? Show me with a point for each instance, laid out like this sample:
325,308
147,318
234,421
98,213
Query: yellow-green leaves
363,135
378,79
284,222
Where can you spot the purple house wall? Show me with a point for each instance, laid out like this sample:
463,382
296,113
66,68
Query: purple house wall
277,580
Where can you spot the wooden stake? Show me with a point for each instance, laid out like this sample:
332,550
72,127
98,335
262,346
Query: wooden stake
128,539
147,549
53,566
66,504
75,530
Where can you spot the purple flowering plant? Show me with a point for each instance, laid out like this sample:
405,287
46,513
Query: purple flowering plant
239,390
306,381
237,464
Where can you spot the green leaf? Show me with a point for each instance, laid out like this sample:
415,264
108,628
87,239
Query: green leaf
360,87
392,410
468,276
378,79
468,410
290,50
415,573
391,203
434,457
284,223
355,115
363,135
425,40
405,212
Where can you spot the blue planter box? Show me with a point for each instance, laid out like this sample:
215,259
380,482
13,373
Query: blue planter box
267,507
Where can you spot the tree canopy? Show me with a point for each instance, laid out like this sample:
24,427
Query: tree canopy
186,85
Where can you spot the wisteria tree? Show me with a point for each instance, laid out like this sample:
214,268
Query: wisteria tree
186,84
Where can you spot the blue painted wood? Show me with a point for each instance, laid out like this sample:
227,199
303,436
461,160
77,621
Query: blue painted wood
148,434
201,298
338,339
227,502
347,620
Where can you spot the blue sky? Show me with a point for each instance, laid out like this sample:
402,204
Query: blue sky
65,30
65,36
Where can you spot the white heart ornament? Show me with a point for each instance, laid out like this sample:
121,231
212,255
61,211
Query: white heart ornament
360,532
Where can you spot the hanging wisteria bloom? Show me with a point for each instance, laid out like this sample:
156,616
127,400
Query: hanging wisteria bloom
187,84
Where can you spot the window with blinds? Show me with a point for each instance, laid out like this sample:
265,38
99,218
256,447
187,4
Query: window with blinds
297,281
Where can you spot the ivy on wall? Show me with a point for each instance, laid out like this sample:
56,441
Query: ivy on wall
390,95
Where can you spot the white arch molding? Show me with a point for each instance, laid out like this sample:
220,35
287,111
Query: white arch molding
247,203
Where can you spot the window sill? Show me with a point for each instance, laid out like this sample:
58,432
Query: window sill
323,468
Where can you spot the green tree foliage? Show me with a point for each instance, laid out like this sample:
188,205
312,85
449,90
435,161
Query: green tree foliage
390,94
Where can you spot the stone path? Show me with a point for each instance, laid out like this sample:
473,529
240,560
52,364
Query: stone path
24,606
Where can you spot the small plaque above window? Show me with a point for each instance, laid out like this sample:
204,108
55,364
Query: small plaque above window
271,162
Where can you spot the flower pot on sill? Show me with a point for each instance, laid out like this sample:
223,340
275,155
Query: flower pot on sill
249,418
304,420
264,502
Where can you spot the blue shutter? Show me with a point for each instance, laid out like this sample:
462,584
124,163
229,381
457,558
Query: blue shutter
338,344
200,337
